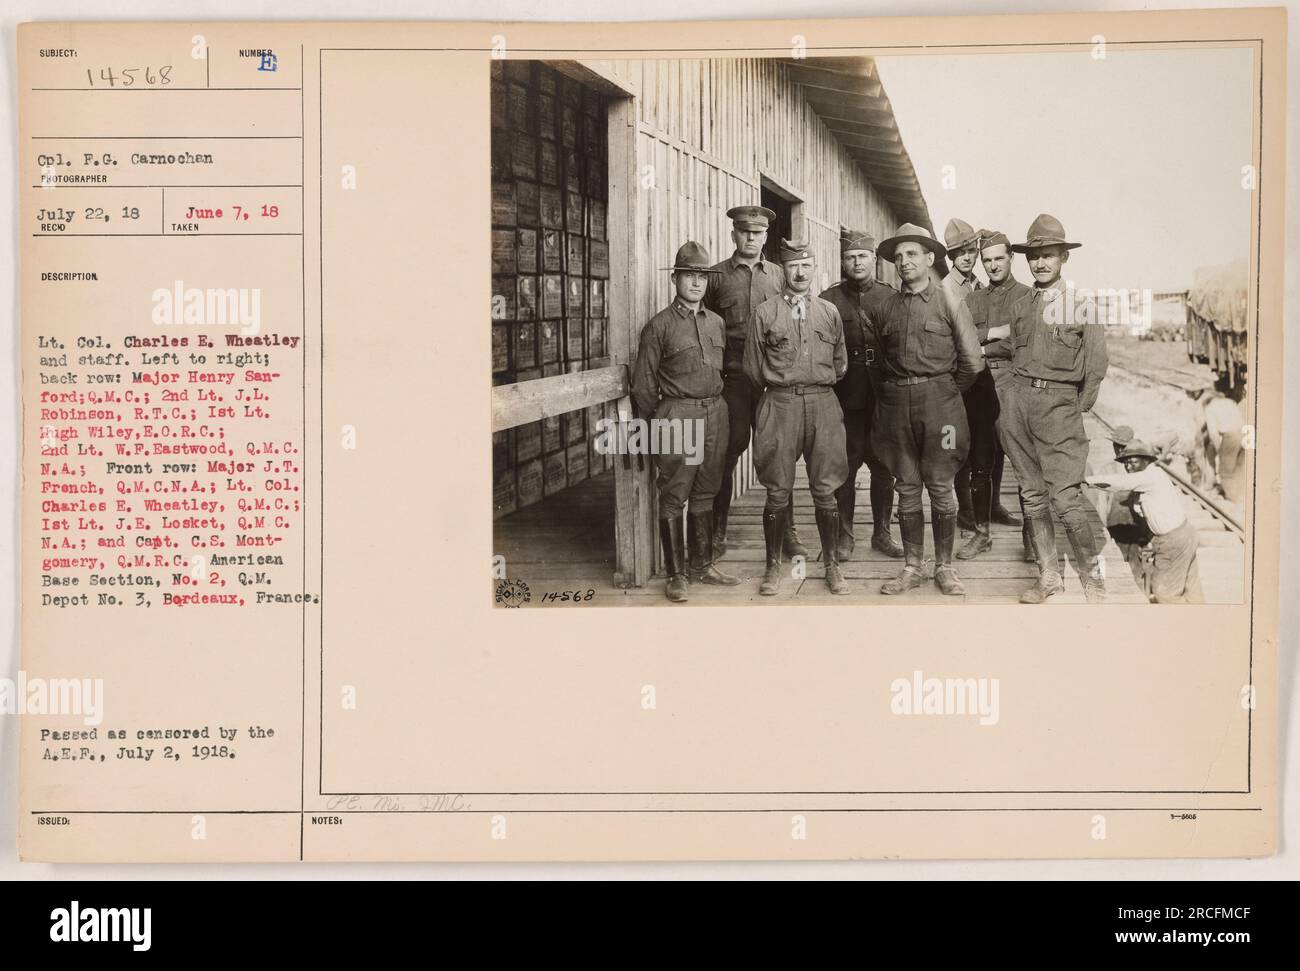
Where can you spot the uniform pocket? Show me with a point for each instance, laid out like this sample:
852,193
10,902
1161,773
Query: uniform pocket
715,350
1063,345
732,310
780,346
681,359
938,339
824,348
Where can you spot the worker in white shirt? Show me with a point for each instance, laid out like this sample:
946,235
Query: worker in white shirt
1175,576
1221,443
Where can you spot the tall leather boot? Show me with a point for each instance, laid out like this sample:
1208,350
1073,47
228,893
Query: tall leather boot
670,535
1088,564
774,536
793,545
846,497
1026,531
882,510
961,484
1049,580
721,510
1000,514
912,527
1027,536
828,528
944,526
699,534
981,494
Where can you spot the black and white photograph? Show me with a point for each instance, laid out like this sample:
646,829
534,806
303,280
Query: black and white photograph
951,328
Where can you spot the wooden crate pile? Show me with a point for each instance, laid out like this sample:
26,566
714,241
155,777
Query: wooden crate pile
550,269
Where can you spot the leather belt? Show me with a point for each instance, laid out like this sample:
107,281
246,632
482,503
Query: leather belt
1048,383
804,388
695,401
910,379
867,354
995,363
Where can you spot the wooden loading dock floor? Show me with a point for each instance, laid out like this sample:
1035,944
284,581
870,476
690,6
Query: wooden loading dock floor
566,542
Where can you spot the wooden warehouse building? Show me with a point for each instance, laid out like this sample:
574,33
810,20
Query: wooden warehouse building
601,169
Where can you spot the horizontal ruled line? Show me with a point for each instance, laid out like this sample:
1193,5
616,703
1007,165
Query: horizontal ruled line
260,185
154,235
140,138
838,792
616,812
170,88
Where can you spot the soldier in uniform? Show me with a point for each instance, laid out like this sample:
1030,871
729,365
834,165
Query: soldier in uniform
931,355
740,283
991,309
962,244
857,297
1056,373
794,356
678,377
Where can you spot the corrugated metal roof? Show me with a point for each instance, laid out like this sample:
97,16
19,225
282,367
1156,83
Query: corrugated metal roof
847,95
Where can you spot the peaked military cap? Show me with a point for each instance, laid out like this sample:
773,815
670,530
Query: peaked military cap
751,217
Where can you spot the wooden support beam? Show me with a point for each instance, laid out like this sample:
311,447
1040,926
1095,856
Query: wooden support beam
529,401
635,543
850,105
857,85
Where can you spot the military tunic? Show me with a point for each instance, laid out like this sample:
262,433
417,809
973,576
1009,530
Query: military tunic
1059,360
733,294
678,378
795,354
857,303
993,306
930,356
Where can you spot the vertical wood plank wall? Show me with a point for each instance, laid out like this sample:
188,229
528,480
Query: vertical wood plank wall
709,130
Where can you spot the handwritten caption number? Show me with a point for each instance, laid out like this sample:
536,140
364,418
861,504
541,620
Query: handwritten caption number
152,76
568,596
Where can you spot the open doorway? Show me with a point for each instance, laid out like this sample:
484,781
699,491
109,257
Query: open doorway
788,220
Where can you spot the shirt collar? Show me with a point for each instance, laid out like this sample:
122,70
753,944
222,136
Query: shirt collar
924,293
685,311
736,262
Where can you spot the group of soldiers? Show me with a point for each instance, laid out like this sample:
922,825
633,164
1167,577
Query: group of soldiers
930,386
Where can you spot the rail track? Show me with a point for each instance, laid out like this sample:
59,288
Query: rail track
1185,379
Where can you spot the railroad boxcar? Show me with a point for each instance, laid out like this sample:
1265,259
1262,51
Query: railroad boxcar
1217,324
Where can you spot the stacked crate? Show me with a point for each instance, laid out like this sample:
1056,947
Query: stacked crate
550,269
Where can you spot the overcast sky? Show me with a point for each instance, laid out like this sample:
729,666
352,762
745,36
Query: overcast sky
1140,155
